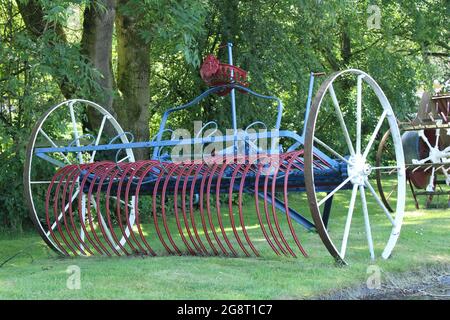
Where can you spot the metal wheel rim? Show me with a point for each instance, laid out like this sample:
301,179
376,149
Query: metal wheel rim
29,159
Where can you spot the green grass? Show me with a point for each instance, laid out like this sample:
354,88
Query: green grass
39,274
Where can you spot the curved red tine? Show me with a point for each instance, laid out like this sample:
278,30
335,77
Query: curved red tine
299,160
141,176
266,209
274,210
97,170
258,212
76,177
138,166
97,174
200,248
68,225
63,213
241,216
218,205
208,208
205,174
175,207
162,172
70,180
230,208
108,177
167,178
127,233
47,213
293,157
127,173
95,167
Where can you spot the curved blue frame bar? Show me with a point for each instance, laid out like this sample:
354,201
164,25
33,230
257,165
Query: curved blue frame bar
206,94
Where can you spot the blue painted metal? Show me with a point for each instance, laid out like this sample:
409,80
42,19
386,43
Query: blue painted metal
205,94
232,93
308,101
274,134
44,156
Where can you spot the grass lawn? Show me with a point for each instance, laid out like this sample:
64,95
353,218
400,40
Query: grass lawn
38,273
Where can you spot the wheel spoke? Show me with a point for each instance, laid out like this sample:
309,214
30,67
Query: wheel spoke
54,145
349,220
380,203
102,221
425,139
438,134
97,141
430,186
339,187
83,218
75,131
123,202
323,144
374,134
62,213
123,159
47,182
358,114
367,222
341,120
392,191
447,176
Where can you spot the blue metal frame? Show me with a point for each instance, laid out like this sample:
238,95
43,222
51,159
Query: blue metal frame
165,143
162,126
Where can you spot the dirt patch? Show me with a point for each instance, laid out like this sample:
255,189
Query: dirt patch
426,283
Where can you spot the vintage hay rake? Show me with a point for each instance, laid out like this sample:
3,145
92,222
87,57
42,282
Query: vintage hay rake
84,200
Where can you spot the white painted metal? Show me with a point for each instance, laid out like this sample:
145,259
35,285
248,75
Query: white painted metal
348,222
341,120
359,168
330,194
53,145
380,203
97,141
374,134
367,222
359,113
323,144
435,155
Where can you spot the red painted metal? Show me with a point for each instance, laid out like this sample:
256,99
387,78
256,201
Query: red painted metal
111,230
215,73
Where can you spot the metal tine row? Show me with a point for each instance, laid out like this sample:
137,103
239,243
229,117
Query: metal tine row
440,123
100,208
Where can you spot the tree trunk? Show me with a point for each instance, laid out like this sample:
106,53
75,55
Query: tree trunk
133,72
96,44
131,106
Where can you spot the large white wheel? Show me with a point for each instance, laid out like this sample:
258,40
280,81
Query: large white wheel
348,116
63,125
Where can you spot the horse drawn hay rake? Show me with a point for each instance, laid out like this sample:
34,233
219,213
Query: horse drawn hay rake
88,195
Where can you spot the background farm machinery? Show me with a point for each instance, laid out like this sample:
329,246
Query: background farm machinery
89,195
426,145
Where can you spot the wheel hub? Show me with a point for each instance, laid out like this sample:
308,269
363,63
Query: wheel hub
358,169
436,155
